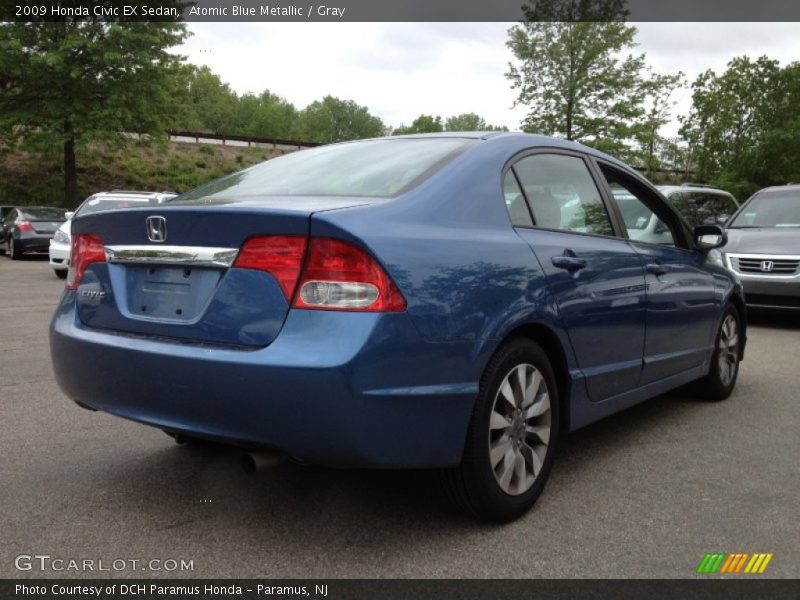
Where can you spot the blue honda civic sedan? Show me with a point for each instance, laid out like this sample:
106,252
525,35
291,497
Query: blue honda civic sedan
452,301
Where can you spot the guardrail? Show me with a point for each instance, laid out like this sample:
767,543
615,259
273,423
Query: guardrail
193,137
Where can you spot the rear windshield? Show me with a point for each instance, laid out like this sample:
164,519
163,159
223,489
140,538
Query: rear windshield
374,168
42,214
770,209
93,205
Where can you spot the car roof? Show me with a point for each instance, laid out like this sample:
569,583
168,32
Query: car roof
790,187
530,140
668,189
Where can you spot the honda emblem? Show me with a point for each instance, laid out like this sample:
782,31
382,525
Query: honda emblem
156,229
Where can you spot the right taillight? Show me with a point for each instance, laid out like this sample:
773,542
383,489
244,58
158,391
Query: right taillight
279,255
86,249
341,276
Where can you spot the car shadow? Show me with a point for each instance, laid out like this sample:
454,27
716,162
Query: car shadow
773,319
202,481
30,257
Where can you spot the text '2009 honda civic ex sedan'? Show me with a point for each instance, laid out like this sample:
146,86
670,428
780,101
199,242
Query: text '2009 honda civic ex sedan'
450,301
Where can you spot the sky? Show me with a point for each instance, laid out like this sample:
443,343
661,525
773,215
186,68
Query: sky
402,70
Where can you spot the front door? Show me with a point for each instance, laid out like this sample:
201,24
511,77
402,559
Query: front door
596,279
681,302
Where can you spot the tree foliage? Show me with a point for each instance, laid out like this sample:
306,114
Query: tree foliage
744,125
655,151
470,122
422,124
334,120
210,106
576,71
69,82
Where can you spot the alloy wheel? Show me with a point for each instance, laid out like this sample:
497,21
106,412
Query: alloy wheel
519,429
728,348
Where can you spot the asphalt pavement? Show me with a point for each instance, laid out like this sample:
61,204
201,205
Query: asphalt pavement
645,493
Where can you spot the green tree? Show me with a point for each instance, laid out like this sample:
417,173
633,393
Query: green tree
334,120
744,125
653,148
265,115
70,82
422,124
208,103
575,71
470,122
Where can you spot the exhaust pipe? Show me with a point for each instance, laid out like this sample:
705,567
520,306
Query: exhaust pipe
261,460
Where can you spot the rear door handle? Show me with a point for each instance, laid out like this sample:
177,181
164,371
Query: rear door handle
656,269
570,263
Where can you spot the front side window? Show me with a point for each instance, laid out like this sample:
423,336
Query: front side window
636,207
562,194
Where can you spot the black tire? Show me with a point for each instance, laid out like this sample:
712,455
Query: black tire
473,485
14,252
716,386
60,273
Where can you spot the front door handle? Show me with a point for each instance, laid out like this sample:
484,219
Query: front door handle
656,269
570,262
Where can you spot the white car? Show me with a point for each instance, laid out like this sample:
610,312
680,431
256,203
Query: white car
61,243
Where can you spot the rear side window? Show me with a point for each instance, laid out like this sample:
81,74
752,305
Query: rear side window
562,194
515,202
375,168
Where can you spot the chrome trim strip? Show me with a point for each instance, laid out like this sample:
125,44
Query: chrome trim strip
195,256
764,276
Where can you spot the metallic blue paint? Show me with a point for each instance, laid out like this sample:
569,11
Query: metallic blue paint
371,389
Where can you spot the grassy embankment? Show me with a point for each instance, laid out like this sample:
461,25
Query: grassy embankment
133,165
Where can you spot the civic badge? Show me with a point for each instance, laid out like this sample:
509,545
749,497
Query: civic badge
156,229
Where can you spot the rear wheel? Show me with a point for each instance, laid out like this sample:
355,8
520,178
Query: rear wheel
14,251
512,435
60,273
721,378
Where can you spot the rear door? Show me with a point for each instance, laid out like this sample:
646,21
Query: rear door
596,278
681,301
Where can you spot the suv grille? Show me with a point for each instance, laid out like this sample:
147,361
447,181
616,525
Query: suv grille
766,265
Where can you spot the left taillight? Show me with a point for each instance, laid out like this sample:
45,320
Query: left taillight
24,226
86,249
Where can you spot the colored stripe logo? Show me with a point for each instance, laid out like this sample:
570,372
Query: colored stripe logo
735,562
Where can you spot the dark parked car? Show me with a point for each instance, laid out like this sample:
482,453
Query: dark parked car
764,247
4,210
452,301
29,229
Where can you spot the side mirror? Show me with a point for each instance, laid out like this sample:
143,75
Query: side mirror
708,237
69,214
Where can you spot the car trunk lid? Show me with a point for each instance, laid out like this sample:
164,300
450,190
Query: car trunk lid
187,286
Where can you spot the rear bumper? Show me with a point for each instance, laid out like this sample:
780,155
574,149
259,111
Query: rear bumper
36,242
59,255
353,389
